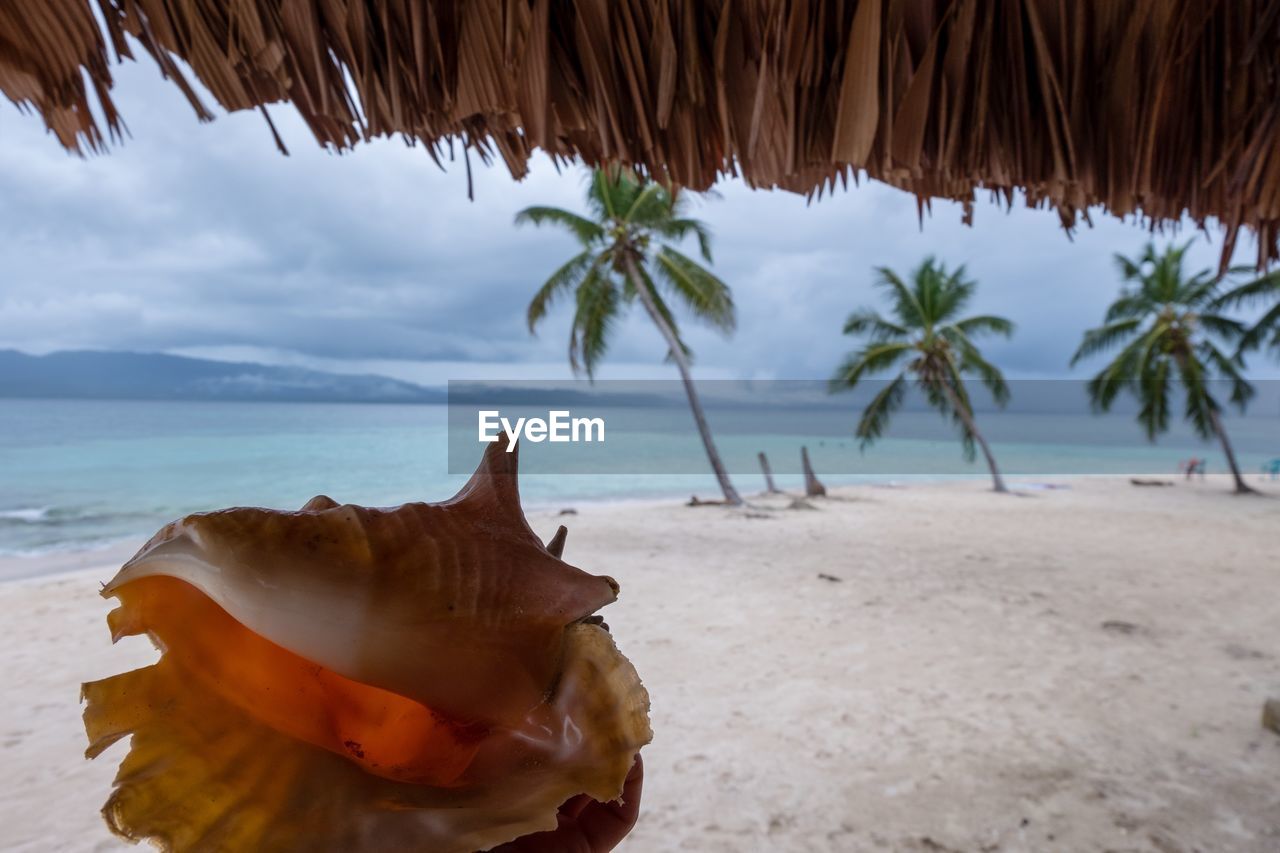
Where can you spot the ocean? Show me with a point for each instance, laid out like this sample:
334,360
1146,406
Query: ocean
80,474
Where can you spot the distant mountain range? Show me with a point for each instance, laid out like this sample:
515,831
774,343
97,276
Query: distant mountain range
150,376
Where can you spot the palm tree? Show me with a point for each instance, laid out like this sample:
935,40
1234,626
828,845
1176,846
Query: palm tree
628,254
1169,328
925,342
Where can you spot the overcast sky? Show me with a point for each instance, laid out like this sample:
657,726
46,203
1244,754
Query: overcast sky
201,239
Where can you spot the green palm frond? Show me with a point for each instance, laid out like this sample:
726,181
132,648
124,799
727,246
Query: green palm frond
1200,403
1104,337
597,311
610,193
867,322
1154,396
905,305
1131,270
1225,328
985,324
1200,291
972,361
949,293
1264,289
1124,370
680,229
1268,323
649,208
876,415
569,276
871,359
584,229
706,296
939,391
1229,368
1130,304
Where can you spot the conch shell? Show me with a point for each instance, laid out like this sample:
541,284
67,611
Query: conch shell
428,677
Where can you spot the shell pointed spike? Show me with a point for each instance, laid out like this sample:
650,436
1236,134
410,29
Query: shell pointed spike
494,488
319,503
556,546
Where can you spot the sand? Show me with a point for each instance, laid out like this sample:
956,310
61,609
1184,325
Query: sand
1075,669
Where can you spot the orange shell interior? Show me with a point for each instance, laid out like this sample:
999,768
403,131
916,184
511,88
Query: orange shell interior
385,733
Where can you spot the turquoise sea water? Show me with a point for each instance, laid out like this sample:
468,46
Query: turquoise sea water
76,474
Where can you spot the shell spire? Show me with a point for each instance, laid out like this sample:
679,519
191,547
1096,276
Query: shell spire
556,546
493,492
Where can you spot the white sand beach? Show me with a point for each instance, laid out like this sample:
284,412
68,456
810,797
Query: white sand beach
1074,669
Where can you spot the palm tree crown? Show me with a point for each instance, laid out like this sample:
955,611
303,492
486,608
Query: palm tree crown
925,338
632,222
1167,326
628,255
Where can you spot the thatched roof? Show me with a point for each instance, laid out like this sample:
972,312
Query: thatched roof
1152,106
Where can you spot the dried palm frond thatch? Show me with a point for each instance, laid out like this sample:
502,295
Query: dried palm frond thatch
1150,107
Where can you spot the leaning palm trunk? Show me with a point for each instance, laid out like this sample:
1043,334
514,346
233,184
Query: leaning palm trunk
966,417
1242,488
677,355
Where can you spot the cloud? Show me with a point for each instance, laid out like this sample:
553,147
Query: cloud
201,238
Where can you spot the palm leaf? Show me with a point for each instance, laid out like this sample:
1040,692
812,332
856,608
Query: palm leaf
985,324
649,208
1199,291
870,323
988,373
705,295
1269,322
597,311
568,276
951,293
605,195
871,359
876,415
1103,337
936,392
906,306
1224,327
1131,270
1123,371
1200,404
1154,394
1241,391
584,229
1129,305
680,229
1262,289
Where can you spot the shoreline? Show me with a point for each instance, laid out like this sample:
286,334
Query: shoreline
59,560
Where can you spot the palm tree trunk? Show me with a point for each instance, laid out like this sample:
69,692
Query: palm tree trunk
1242,488
731,496
967,418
